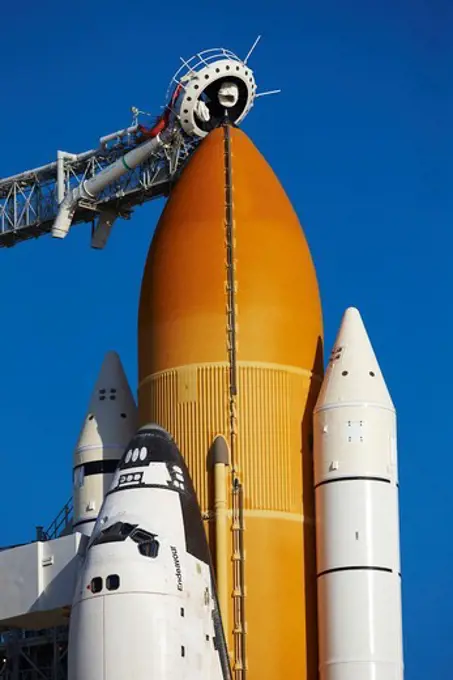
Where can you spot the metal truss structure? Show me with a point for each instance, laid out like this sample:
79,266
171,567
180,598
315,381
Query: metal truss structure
29,201
34,655
133,165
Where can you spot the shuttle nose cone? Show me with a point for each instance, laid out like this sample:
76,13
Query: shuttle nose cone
153,445
353,373
159,445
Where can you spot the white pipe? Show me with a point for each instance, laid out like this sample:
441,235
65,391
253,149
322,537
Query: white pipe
90,188
60,177
118,134
61,188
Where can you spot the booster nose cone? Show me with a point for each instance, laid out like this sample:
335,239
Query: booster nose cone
109,424
353,373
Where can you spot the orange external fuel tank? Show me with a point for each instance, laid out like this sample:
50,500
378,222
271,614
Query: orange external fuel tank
230,343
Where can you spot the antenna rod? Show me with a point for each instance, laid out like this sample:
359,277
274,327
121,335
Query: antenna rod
252,49
264,94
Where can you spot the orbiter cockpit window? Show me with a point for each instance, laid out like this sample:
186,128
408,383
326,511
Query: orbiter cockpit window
115,532
148,546
141,535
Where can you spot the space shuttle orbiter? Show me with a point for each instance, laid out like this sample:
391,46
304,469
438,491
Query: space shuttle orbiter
145,603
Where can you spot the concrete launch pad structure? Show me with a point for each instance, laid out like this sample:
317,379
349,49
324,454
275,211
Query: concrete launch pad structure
268,490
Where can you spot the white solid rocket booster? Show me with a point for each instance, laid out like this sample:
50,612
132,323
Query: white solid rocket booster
109,424
357,519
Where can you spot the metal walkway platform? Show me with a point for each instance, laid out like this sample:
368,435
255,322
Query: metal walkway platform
29,201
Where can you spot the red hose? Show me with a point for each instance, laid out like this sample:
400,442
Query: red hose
162,121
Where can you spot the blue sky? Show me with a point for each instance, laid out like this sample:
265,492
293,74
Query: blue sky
361,139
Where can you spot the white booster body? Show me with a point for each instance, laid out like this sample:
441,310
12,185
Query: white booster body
144,602
357,517
109,424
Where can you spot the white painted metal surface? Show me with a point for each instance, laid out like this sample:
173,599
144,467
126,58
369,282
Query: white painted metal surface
144,602
109,424
210,85
357,519
89,189
37,582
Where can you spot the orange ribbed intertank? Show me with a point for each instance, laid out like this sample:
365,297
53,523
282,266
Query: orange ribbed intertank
230,343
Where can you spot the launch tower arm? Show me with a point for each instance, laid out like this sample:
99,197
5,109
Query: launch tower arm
29,201
133,165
